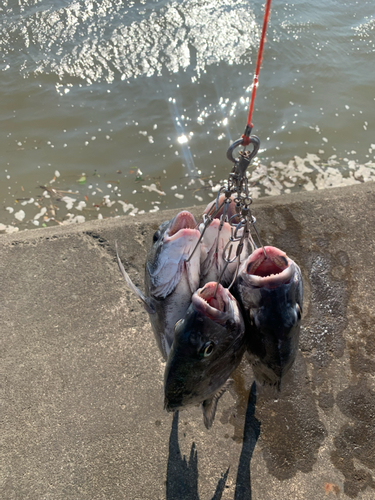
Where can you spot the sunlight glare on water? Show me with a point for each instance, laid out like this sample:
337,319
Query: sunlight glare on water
134,104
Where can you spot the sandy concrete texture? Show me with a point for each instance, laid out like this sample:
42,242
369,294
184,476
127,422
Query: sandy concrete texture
82,380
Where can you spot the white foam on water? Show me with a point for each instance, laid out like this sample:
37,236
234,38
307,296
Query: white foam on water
69,201
153,187
20,215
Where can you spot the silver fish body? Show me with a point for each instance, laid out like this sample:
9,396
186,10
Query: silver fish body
170,281
209,344
270,292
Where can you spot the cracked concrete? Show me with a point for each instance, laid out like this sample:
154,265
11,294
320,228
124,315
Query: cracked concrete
81,378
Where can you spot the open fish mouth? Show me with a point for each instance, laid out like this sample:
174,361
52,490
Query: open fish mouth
271,271
175,247
184,224
231,214
215,306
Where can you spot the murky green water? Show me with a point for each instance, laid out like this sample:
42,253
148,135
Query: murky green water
131,106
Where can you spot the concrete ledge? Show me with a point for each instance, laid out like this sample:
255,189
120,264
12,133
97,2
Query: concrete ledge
81,378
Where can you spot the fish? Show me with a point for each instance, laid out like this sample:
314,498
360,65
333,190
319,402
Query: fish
170,280
208,346
270,292
214,243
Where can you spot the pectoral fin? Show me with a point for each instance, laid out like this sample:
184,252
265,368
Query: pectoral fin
209,405
145,300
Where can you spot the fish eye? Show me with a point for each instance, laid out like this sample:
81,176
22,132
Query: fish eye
156,236
207,349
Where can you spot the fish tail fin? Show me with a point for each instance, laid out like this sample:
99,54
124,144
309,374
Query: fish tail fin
209,405
145,300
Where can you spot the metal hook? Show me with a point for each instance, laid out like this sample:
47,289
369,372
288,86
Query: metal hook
235,273
222,221
206,223
227,262
238,257
252,222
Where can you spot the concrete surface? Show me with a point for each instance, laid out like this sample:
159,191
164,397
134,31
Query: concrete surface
81,378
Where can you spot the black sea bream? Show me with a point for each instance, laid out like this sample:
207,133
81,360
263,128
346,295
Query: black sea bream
208,345
170,281
270,292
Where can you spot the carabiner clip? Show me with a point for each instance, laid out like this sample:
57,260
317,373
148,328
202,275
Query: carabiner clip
245,157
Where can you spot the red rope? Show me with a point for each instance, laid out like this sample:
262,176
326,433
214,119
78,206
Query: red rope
249,125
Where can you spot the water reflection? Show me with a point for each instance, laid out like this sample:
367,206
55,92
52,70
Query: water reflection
111,89
182,474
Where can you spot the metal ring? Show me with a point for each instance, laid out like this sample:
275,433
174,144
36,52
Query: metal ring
254,140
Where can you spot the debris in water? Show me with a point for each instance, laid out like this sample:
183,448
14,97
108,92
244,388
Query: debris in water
299,173
153,187
41,213
69,201
20,215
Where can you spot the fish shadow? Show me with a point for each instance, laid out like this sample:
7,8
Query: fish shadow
182,473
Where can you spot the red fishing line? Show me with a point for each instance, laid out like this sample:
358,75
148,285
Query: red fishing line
249,125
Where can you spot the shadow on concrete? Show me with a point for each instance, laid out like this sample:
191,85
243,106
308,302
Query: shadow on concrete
182,474
251,434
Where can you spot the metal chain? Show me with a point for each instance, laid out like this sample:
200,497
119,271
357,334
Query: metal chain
236,191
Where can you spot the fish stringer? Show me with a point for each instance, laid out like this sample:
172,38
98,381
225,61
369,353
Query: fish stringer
236,189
